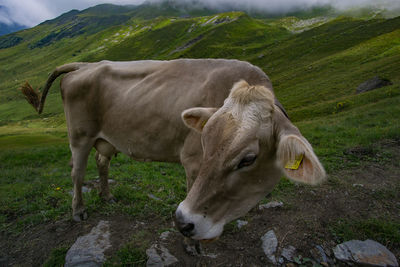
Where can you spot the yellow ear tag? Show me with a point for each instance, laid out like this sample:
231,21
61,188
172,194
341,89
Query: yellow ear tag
294,164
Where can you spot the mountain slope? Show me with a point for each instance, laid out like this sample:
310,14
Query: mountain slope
326,62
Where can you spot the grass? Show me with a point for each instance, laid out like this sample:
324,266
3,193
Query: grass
382,230
30,177
57,257
332,134
133,253
35,186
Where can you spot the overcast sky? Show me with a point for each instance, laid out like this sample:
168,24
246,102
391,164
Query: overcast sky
33,12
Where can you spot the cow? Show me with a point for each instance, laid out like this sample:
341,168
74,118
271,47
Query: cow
219,118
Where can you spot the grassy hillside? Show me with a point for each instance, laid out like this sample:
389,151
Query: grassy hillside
326,62
315,67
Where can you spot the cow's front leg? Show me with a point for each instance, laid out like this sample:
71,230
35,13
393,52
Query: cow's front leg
80,156
103,165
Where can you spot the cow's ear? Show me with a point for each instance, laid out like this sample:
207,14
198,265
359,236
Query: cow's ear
196,118
298,160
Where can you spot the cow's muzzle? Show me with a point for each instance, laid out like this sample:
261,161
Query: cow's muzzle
196,226
186,228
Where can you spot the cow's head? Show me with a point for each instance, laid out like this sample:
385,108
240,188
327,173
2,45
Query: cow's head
247,143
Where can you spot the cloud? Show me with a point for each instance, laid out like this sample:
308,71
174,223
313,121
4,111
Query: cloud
282,6
23,12
32,12
4,17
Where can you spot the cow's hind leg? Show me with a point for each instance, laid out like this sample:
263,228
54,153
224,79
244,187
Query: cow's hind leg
80,154
103,156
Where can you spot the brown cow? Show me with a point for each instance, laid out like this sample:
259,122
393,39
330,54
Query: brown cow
235,140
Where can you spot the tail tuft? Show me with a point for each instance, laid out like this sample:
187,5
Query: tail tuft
31,95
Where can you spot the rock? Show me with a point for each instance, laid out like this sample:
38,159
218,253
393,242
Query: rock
240,223
164,235
372,84
159,256
153,197
88,250
318,253
288,253
192,247
211,255
366,252
272,204
85,189
269,245
188,44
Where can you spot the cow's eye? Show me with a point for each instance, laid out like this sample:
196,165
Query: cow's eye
247,161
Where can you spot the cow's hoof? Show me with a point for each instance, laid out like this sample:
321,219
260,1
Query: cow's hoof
80,216
192,247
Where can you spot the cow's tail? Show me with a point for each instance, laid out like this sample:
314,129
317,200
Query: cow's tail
36,98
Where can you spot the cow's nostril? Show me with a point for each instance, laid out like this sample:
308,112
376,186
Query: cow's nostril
187,229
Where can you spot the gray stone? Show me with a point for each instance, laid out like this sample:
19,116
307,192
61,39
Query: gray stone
241,223
366,252
288,253
159,256
153,197
211,255
318,253
164,235
88,250
153,258
85,189
269,245
192,247
272,204
371,84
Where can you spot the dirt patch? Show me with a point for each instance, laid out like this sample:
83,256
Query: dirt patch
304,221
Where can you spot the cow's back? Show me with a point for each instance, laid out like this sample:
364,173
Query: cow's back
137,105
